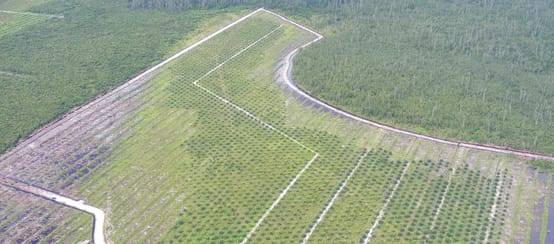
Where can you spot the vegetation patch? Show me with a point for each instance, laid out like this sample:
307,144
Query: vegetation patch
95,47
543,166
474,71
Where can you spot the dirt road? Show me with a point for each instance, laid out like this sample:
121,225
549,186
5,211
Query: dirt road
31,13
286,74
52,128
99,215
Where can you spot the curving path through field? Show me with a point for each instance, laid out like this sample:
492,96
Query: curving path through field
286,74
99,215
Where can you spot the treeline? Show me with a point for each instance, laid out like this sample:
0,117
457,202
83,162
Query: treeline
207,4
478,71
65,62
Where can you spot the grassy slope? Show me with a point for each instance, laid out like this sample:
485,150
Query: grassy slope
69,61
471,71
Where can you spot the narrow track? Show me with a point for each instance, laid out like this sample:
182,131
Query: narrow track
99,215
262,123
382,211
14,74
32,13
335,196
443,198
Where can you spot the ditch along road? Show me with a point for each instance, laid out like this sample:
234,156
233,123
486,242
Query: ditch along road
286,74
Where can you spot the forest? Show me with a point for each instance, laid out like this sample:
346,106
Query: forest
179,5
54,65
41,78
210,149
478,71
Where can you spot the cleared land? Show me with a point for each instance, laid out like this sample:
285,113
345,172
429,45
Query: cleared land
28,218
41,76
99,215
214,148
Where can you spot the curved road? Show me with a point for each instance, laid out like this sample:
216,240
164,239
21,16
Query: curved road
286,74
31,13
99,215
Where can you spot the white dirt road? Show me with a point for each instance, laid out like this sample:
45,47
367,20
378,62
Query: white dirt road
31,13
99,215
286,74
335,196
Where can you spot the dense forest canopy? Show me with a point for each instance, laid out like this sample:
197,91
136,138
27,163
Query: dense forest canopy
53,65
205,4
480,71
